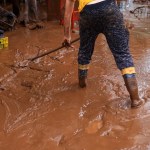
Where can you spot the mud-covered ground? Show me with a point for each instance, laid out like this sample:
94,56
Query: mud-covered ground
42,107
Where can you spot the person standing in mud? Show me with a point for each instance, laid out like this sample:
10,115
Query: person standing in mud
102,16
31,13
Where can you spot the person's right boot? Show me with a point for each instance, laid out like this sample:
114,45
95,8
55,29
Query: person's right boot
132,87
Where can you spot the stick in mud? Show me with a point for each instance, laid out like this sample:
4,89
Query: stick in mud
51,51
25,63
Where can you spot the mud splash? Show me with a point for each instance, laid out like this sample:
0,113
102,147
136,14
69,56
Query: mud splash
43,108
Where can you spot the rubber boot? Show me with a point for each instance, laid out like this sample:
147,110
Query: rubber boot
82,75
132,87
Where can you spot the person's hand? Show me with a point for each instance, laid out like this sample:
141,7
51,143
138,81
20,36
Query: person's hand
66,43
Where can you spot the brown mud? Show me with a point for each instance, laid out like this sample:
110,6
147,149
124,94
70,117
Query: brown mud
42,107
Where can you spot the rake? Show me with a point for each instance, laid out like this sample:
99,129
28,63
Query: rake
26,62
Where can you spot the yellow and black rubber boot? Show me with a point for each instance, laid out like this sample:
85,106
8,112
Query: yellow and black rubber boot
132,86
82,75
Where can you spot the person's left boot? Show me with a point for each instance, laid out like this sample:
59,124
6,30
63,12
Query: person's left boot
82,76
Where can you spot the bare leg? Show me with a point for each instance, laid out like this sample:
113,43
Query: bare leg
34,10
26,12
32,4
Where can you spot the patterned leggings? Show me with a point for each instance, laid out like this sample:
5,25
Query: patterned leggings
104,17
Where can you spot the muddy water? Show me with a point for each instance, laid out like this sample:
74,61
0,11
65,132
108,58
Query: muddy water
42,107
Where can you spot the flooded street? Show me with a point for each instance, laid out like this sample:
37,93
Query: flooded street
42,107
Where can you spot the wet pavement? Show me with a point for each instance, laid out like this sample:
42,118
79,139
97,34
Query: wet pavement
42,107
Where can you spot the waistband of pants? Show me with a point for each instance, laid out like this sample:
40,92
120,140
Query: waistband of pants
95,2
99,4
